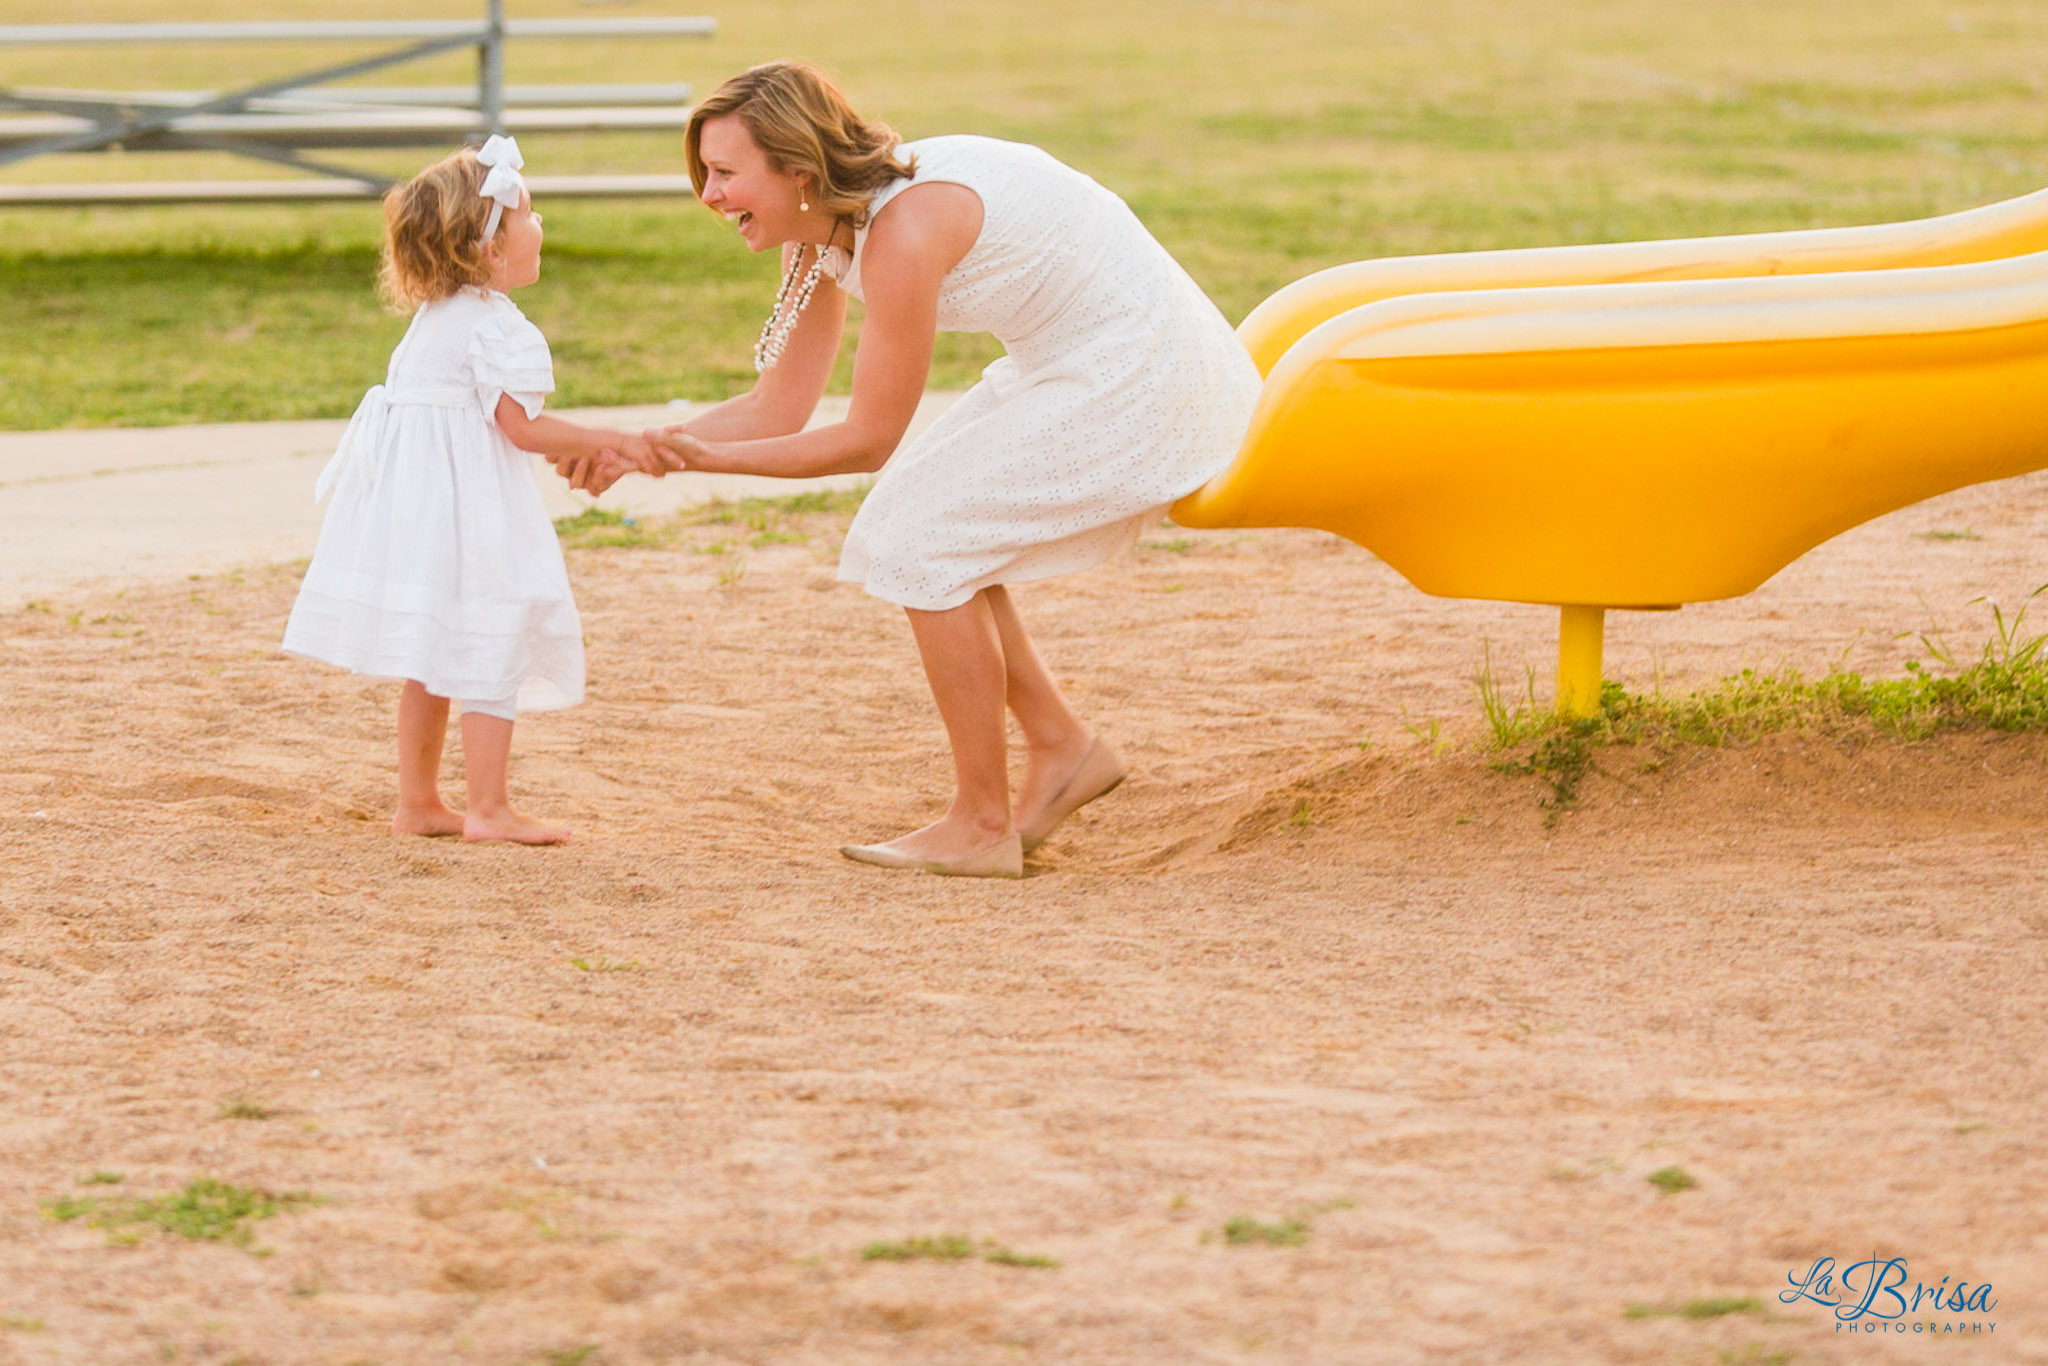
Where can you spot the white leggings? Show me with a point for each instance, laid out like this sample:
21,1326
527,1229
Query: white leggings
504,710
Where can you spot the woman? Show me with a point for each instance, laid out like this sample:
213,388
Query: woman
1123,389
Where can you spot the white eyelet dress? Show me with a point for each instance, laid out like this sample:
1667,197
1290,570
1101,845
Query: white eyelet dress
437,560
1124,388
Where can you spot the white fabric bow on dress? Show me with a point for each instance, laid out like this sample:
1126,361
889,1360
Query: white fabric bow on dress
502,183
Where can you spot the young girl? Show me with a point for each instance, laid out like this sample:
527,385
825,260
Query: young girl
437,563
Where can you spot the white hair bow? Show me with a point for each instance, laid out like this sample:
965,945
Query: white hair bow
503,182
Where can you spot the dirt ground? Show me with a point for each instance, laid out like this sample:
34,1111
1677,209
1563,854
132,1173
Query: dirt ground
646,1098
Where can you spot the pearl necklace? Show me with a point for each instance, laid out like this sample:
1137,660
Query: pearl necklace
782,321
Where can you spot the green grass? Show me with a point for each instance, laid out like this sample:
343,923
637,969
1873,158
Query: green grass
1258,142
2003,687
595,528
1672,1180
1699,1309
206,1210
953,1247
1244,1230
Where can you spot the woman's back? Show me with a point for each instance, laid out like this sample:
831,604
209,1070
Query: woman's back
1058,255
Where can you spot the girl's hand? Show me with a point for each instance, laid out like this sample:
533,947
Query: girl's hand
594,473
676,449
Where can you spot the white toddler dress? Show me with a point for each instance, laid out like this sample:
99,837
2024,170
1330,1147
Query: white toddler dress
437,561
1124,388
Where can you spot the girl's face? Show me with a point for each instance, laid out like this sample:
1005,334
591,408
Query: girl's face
516,252
755,198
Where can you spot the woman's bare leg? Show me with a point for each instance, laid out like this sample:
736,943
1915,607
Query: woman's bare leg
1057,741
487,754
963,661
422,729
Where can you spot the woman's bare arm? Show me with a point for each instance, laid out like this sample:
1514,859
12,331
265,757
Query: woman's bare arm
920,236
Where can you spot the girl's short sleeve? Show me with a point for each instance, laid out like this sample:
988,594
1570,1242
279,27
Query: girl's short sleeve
508,355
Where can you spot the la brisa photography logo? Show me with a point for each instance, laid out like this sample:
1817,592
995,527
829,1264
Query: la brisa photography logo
1881,1295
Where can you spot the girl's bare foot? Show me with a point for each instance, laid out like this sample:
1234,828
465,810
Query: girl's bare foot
435,820
504,823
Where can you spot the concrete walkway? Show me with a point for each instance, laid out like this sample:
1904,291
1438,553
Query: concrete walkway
128,504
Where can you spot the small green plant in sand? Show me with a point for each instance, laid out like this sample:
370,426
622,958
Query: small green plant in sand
1948,534
2004,687
206,1210
601,528
22,1323
585,1355
102,1179
953,1247
1244,1230
1672,1180
242,1107
599,963
767,514
1699,1309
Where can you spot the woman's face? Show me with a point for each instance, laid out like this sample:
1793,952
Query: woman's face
755,198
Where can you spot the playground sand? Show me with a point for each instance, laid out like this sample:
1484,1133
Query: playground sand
648,1097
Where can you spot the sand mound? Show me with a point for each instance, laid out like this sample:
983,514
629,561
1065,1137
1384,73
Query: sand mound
653,1093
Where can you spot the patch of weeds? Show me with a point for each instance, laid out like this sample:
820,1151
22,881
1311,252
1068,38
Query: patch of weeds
764,514
571,1356
1304,815
600,963
22,1323
1715,1308
1753,1354
1173,588
1244,1230
1179,545
1972,1126
1944,534
720,547
1672,1180
773,537
946,1247
2004,688
241,1107
207,1210
37,605
102,1179
600,528
953,1247
729,575
1430,732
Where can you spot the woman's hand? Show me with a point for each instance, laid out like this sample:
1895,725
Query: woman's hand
675,449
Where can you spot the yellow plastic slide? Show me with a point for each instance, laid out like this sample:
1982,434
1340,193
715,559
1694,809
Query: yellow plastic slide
1646,424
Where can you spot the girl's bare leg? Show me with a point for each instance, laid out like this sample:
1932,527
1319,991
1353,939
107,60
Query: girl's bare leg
963,662
487,754
422,728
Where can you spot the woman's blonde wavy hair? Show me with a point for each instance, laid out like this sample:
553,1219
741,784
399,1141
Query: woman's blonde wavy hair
433,233
805,125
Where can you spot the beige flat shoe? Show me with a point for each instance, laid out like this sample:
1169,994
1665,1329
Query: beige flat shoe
1100,771
1004,858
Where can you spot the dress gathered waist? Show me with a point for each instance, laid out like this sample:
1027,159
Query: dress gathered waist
365,434
429,396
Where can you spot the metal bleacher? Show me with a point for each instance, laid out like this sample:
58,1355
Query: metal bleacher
294,120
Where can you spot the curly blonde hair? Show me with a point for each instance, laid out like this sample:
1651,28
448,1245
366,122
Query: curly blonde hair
433,233
805,125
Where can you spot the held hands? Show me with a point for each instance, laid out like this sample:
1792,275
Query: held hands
596,473
675,449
